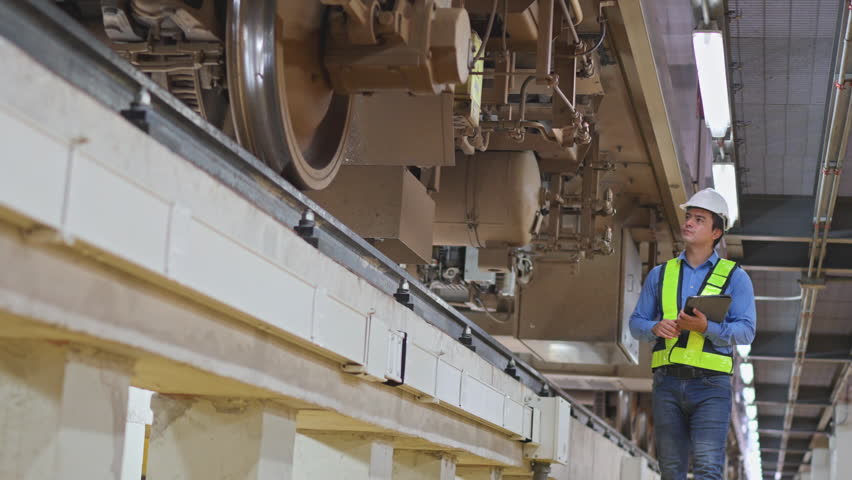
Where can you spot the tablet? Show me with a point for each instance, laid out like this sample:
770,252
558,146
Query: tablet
715,307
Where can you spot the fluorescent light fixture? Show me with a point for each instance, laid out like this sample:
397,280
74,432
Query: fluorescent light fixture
744,350
748,394
751,412
752,425
747,372
709,47
725,182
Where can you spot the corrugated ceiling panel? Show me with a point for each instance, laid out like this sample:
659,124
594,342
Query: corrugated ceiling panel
818,373
807,411
772,410
833,312
804,411
783,49
772,372
776,316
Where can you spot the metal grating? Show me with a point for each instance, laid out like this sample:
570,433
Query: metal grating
783,50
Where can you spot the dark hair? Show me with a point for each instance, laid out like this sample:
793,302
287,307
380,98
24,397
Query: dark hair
719,223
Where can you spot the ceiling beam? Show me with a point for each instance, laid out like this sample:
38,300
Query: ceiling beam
791,458
776,450
801,425
821,348
794,444
793,256
788,218
777,393
791,469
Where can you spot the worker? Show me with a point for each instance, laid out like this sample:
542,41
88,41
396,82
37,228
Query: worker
692,357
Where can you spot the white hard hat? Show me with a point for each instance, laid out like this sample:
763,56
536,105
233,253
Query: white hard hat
711,200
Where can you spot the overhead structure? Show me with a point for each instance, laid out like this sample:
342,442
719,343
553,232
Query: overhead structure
481,185
791,238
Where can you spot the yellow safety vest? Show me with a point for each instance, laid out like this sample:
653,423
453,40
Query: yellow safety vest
691,348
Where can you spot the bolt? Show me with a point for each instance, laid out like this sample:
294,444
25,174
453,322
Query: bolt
545,391
512,369
143,98
467,339
403,295
137,114
307,228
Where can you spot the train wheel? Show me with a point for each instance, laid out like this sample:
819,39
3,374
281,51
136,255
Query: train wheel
282,104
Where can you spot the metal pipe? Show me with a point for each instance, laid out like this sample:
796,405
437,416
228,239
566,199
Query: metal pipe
705,12
833,133
544,46
578,11
514,126
835,183
567,15
492,74
481,52
597,45
523,111
561,94
827,190
505,23
778,299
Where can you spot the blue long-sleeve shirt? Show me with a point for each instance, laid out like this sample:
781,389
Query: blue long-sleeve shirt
739,325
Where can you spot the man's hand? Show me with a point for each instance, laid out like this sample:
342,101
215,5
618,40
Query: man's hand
696,322
666,329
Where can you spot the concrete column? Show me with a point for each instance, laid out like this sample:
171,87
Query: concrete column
63,411
840,443
479,473
336,455
139,416
821,464
416,465
197,438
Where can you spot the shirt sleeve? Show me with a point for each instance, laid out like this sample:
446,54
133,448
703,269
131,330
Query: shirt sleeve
647,310
739,325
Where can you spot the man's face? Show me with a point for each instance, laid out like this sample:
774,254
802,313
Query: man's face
698,227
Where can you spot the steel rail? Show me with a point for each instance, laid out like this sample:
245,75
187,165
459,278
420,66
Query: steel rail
59,43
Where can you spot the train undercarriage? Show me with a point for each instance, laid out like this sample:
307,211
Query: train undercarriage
490,146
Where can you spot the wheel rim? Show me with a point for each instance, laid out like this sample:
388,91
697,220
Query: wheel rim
282,105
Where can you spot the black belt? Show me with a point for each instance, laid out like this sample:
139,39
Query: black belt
686,372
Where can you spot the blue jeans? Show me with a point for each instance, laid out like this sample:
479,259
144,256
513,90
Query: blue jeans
691,417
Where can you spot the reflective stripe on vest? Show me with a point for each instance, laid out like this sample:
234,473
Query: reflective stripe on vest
691,348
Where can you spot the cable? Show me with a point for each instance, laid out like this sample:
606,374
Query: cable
478,301
505,26
597,45
481,52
